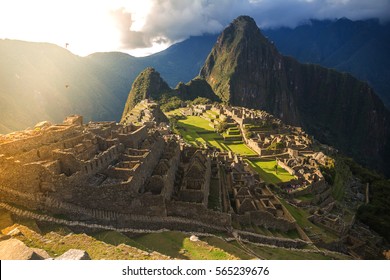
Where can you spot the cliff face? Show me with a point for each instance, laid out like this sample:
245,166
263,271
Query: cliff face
148,84
245,69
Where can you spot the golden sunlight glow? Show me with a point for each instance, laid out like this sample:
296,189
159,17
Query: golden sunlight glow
83,26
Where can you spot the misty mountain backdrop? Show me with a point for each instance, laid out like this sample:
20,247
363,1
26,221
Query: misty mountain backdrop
40,81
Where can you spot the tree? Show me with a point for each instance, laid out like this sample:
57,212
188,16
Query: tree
201,100
222,126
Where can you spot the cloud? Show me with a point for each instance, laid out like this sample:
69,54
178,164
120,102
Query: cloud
130,39
169,21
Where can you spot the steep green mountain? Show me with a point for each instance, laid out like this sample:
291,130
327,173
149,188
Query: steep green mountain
197,87
245,69
150,85
147,85
358,47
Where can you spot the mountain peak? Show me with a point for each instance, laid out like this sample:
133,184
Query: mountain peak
242,28
242,66
246,20
148,84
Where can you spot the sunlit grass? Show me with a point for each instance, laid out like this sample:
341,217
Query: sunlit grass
267,171
240,148
197,130
178,245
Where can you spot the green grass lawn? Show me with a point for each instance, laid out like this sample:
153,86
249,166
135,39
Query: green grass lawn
306,197
240,148
267,172
178,245
195,130
196,123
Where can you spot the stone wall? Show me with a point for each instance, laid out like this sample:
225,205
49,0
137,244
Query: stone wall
142,220
267,220
276,241
253,145
134,138
286,167
214,221
169,177
264,219
315,188
207,176
198,212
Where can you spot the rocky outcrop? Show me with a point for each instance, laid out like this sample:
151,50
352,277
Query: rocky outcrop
245,69
14,249
74,254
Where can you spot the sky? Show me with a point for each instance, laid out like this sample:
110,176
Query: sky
148,26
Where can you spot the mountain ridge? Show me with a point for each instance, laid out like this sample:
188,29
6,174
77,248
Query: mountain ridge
357,47
335,107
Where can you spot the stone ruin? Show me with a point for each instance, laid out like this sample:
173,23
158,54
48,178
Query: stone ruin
131,174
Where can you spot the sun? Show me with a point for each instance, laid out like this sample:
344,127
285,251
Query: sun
83,27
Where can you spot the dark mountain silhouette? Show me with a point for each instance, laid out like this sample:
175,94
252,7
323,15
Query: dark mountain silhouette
357,47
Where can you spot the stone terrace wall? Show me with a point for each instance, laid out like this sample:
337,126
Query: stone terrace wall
139,221
198,212
129,222
267,220
276,241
